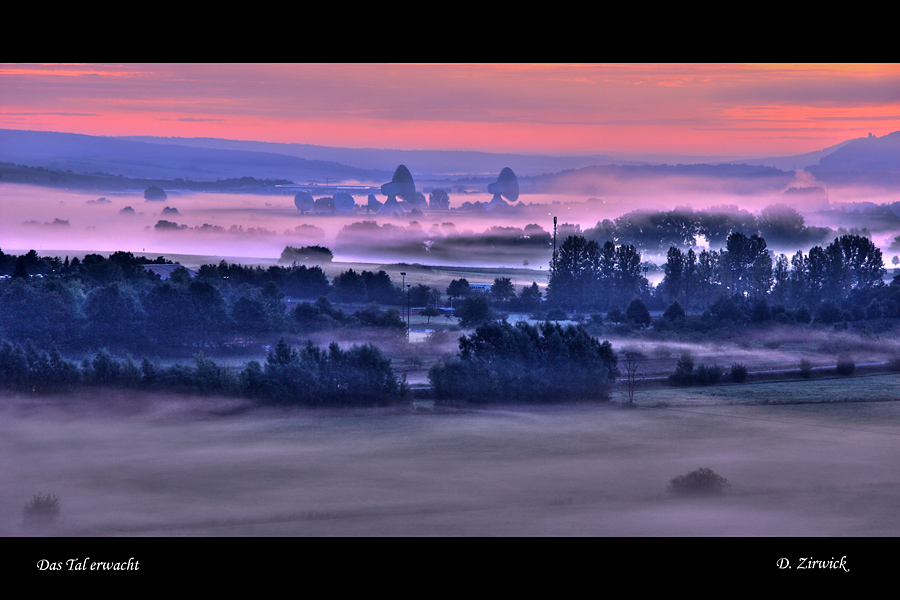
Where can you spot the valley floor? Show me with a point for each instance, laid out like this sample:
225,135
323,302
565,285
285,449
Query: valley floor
129,465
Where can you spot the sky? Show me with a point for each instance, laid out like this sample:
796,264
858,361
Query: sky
624,109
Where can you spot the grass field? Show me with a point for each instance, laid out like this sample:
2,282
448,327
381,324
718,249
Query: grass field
165,466
877,387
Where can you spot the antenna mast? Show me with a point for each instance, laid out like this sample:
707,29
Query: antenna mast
553,263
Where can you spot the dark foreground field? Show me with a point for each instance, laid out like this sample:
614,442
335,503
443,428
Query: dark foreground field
159,466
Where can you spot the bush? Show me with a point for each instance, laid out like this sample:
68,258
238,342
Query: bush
708,374
894,363
637,312
685,374
738,372
41,509
702,482
845,366
828,312
684,370
675,311
801,315
805,369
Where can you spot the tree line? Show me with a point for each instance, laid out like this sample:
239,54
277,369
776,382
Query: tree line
500,362
843,280
115,303
309,376
654,232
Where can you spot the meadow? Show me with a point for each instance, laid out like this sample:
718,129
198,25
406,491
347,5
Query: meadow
144,465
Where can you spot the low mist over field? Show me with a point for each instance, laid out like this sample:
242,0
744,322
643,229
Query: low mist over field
257,226
144,465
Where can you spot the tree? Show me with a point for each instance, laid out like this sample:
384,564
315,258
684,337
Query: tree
249,315
209,319
637,312
530,297
673,280
502,289
857,263
473,311
422,295
459,288
781,224
629,278
429,311
169,309
306,254
631,362
111,311
684,370
674,312
700,482
741,254
155,193
574,273
438,199
350,287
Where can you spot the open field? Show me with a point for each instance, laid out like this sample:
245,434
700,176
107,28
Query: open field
127,465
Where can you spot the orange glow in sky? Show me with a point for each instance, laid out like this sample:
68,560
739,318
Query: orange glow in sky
688,109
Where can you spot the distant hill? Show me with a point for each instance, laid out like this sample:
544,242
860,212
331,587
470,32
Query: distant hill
872,154
871,160
795,162
136,159
431,164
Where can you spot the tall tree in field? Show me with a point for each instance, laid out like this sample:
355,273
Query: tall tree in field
574,273
738,259
672,284
855,263
502,289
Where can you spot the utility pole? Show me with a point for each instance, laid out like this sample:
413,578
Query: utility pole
553,260
403,285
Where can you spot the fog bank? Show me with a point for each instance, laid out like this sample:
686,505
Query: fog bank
163,466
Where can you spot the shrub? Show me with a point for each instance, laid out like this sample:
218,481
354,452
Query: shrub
801,315
738,372
675,311
894,363
701,482
805,369
828,312
684,370
41,509
845,366
709,374
637,312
